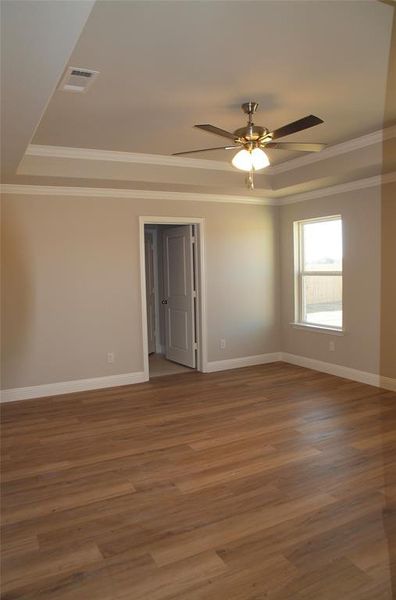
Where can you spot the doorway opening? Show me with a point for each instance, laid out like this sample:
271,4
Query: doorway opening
173,298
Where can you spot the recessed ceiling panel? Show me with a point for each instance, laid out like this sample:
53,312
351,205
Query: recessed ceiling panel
165,66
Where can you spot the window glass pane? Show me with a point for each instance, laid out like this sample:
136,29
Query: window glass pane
322,300
322,245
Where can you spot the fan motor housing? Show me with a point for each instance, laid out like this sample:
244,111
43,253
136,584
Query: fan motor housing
251,133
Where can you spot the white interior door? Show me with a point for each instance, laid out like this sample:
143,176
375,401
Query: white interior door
179,295
150,289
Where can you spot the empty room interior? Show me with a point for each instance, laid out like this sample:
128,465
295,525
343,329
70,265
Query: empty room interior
198,299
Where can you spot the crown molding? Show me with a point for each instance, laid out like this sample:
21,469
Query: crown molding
53,190
377,137
350,186
66,152
126,157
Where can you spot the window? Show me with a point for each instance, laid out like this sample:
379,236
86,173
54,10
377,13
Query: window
318,261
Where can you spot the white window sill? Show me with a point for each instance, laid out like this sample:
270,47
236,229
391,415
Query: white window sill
318,328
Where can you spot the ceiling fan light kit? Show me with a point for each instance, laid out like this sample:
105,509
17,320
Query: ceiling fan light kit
253,139
250,160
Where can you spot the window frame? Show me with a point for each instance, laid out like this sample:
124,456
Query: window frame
300,273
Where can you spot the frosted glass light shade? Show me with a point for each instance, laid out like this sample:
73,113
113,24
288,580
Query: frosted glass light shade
259,159
242,160
250,161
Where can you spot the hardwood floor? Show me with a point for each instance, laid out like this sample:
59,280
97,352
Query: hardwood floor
272,482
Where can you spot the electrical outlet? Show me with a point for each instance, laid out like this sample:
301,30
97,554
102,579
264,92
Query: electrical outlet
110,357
222,344
332,345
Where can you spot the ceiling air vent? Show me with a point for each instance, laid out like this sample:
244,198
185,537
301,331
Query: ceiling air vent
77,80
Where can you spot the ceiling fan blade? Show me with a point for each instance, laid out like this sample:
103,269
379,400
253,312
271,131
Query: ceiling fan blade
300,125
205,150
217,131
300,147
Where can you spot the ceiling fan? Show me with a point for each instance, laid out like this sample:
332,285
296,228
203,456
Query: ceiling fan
252,139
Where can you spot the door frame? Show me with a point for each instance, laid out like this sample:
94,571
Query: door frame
201,329
158,348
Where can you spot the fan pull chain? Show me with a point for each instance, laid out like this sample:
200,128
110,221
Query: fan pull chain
249,180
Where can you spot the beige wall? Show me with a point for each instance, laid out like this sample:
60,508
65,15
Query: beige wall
388,281
71,287
71,283
359,347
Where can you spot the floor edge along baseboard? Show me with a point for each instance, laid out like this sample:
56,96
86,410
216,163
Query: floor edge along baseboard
81,385
68,387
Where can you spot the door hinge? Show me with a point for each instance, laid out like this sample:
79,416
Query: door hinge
194,294
195,346
193,239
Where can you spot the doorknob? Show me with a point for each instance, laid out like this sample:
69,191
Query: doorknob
164,301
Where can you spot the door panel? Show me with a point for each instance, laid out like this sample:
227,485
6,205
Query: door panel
179,329
177,275
179,281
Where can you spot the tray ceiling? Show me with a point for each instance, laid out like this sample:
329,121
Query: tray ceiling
167,65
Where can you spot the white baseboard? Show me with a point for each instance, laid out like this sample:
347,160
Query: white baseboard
96,383
333,369
245,361
67,387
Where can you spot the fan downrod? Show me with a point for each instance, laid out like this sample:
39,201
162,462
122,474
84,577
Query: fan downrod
251,132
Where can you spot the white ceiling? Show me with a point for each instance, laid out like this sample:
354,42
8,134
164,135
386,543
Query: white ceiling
37,39
167,65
